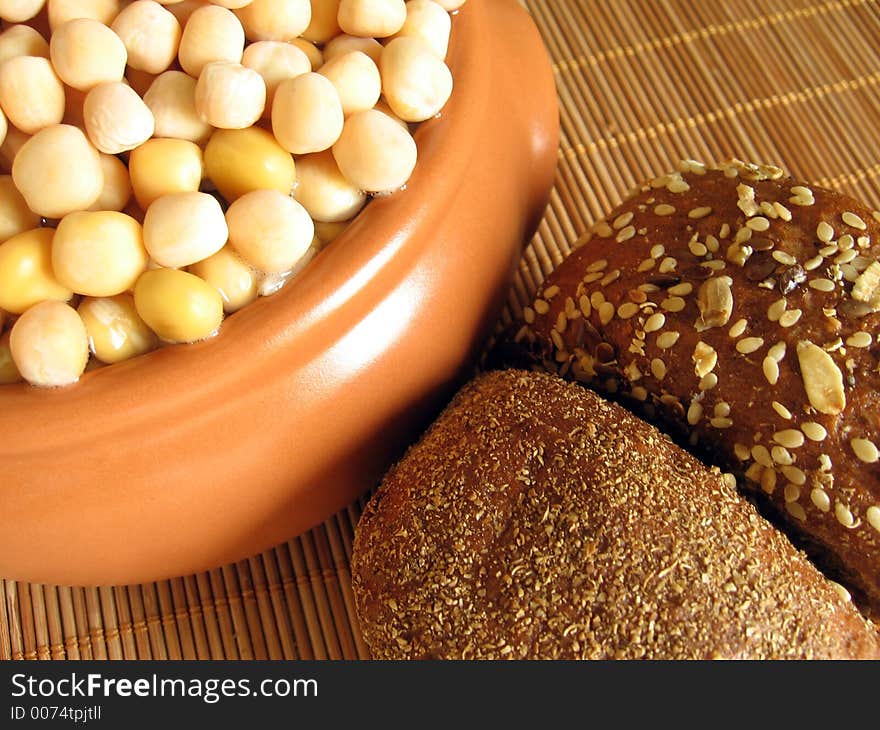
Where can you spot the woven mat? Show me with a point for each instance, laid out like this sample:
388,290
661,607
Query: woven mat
641,84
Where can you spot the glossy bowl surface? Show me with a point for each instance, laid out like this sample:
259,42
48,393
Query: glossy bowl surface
198,455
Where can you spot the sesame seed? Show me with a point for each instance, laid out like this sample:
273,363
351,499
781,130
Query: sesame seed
796,511
801,191
748,345
570,310
701,212
777,351
781,410
827,251
824,232
610,277
814,431
783,258
724,231
813,263
729,480
859,339
697,248
626,234
781,455
741,451
658,368
775,310
627,310
771,370
865,450
646,265
843,515
758,223
844,594
657,250
541,306
624,219
557,340
790,317
667,339
738,327
664,209
528,315
825,285
845,257
782,212
584,305
851,219
667,264
561,322
819,497
598,265
792,492
597,298
794,475
639,393
677,185
873,517
656,322
593,276
768,480
673,304
551,291
762,455
845,242
606,312
742,235
681,290
720,422
603,230
721,409
708,381
714,265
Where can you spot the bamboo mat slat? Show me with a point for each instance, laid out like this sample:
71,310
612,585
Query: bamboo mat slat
641,84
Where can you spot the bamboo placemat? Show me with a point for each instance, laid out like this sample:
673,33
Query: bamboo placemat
641,84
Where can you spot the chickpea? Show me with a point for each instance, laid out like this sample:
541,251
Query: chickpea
22,40
178,306
356,79
323,25
275,20
31,95
183,9
162,166
98,253
13,141
344,43
229,95
415,82
85,53
372,18
15,216
26,275
60,11
238,161
428,21
269,230
231,276
212,33
328,232
49,344
58,171
151,35
374,152
117,185
182,228
17,11
172,100
4,127
116,118
307,114
316,57
275,61
8,370
74,100
324,191
116,331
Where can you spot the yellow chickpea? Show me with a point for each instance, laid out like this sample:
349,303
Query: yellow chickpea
178,306
98,253
324,191
372,18
49,344
60,11
151,35
374,152
328,232
275,20
211,34
172,100
85,53
229,95
8,370
323,25
182,228
116,331
31,94
231,276
344,43
22,40
430,22
275,61
161,166
316,57
58,171
117,185
357,81
238,161
116,118
13,141
415,82
183,9
15,216
17,11
307,114
269,230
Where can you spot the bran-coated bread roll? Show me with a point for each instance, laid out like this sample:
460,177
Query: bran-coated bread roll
536,520
741,309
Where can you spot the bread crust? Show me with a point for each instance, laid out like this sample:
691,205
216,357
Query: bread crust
536,520
737,308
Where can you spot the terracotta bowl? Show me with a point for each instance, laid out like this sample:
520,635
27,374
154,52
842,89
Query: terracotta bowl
198,455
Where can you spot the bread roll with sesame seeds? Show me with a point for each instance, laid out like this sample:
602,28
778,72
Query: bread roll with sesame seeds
740,310
536,520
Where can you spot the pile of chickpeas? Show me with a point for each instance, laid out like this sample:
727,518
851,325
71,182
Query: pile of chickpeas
165,163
